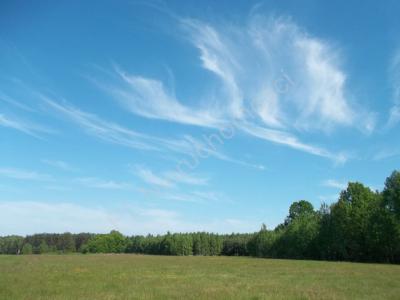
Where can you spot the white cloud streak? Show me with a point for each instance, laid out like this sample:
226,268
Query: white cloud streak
394,70
185,178
99,128
149,177
282,82
13,102
218,59
385,153
168,179
98,183
21,174
193,196
167,194
284,138
149,98
332,183
71,217
117,134
59,164
29,128
277,51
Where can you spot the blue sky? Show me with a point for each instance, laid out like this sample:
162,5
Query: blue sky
191,115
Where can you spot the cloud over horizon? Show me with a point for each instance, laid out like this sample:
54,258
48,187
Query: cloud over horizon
199,116
277,82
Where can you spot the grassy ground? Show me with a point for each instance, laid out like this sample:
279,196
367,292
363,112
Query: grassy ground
163,277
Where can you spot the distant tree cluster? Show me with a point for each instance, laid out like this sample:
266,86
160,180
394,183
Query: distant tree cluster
44,243
363,225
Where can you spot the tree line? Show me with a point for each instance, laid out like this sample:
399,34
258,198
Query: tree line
363,225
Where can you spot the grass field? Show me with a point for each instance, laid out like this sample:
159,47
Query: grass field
164,277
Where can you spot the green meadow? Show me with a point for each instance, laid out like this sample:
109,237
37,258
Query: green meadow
129,276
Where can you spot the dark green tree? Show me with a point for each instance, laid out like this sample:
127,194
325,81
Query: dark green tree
27,249
113,242
298,209
351,218
43,248
11,244
261,243
391,193
298,238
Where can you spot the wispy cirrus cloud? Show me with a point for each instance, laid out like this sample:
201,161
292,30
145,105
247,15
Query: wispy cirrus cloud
185,178
342,185
281,83
72,217
165,193
386,153
22,174
285,138
114,133
172,185
296,80
204,148
98,183
195,196
26,127
5,98
333,183
149,177
149,98
394,70
59,164
394,116
211,196
168,179
272,135
217,57
100,128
